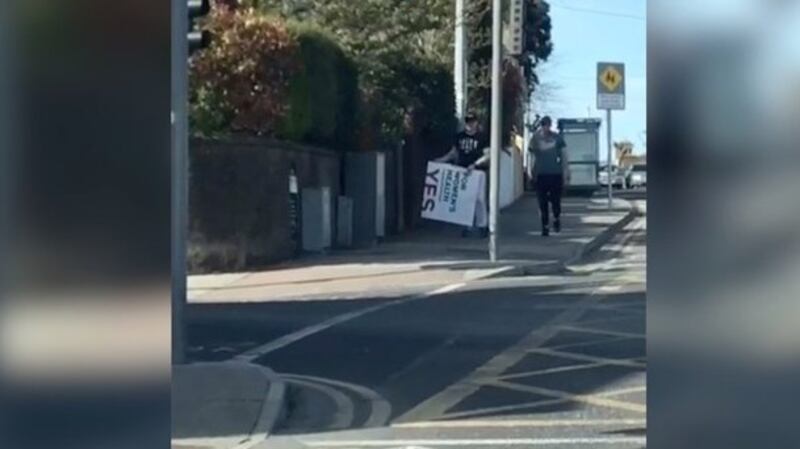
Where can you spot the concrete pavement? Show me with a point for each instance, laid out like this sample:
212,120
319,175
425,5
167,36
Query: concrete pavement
418,261
224,405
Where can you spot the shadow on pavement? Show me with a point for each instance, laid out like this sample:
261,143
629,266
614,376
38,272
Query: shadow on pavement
217,332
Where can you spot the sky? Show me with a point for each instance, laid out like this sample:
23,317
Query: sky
586,32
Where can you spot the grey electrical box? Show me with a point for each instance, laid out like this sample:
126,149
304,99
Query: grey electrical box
344,222
365,183
317,219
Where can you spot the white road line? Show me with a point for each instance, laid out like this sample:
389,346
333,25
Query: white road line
611,288
634,441
528,406
270,411
294,337
286,340
622,391
583,398
496,423
588,330
500,409
380,409
345,409
442,291
560,369
588,358
437,405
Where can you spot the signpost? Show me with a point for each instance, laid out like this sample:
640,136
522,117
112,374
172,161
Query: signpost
610,96
516,30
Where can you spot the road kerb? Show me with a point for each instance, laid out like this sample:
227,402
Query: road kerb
269,414
601,239
273,409
499,272
528,269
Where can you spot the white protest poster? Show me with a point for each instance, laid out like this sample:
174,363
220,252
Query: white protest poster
450,194
481,212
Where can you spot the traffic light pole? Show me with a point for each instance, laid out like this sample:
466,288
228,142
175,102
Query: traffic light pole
179,157
496,128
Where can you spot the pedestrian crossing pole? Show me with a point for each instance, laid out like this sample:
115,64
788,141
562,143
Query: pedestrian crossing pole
496,140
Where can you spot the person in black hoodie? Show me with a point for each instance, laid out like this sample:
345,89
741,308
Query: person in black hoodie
469,147
470,151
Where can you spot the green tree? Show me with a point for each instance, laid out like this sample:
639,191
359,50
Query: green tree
538,40
323,93
383,37
519,73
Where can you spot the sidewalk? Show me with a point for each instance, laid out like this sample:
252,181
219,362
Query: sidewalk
434,256
223,405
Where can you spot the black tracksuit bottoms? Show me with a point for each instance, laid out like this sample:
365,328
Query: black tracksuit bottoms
548,191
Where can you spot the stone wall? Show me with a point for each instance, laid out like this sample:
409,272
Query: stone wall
239,213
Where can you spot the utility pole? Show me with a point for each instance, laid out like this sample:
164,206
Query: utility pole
497,120
460,61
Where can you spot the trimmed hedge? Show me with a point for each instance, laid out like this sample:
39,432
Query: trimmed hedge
431,85
323,94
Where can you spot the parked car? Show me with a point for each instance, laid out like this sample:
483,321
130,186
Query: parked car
618,177
637,176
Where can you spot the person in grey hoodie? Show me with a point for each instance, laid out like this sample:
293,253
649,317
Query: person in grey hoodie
550,171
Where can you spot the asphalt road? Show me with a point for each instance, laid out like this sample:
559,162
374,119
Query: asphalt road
555,361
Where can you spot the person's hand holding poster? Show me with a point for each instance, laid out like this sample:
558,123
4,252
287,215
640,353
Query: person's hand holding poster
452,193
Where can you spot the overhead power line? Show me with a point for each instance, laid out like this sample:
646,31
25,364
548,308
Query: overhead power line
602,13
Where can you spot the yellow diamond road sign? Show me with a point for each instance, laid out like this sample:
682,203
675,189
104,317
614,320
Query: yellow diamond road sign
611,78
611,85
